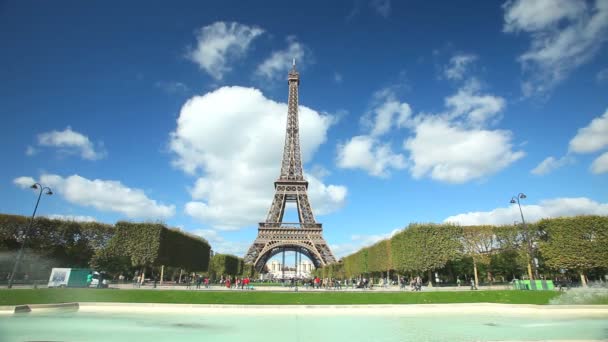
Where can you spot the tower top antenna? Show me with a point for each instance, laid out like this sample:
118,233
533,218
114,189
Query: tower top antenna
294,63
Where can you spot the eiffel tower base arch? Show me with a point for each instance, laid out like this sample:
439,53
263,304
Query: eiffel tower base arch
271,241
279,247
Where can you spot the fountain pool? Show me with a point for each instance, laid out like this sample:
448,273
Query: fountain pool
358,323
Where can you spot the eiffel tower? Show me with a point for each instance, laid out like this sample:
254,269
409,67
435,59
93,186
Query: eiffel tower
275,236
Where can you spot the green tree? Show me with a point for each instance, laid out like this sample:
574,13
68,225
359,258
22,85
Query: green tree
153,244
479,243
576,243
379,257
425,247
225,265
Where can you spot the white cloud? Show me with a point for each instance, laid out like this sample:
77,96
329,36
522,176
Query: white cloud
387,113
220,244
104,195
368,152
77,218
539,14
382,7
452,146
365,152
238,169
359,241
477,108
319,171
549,164
454,154
279,63
221,43
24,182
591,138
458,66
600,164
565,34
69,141
545,209
325,199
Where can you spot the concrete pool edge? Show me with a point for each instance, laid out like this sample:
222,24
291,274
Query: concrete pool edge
379,309
27,308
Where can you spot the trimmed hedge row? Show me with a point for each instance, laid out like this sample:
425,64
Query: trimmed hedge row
153,244
229,265
578,244
115,248
50,243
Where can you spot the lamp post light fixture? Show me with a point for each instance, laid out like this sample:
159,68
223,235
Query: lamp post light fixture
47,191
531,263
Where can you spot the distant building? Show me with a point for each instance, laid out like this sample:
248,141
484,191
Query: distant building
304,270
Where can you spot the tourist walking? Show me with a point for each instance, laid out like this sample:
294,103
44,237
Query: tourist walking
418,283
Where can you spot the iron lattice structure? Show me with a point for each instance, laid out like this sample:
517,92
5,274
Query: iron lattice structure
274,235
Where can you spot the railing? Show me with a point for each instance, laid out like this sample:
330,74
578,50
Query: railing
295,225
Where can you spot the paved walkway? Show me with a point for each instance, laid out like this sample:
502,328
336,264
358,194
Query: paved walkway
148,286
304,289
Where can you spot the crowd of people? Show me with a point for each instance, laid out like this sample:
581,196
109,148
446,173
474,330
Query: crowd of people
237,283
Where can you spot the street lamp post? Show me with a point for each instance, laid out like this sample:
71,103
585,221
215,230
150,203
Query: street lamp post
531,264
47,191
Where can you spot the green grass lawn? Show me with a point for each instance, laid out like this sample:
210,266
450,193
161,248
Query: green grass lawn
43,296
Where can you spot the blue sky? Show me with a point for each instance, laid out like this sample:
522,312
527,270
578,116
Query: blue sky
411,111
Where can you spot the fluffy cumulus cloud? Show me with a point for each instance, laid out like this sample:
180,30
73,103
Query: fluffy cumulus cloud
277,65
103,195
564,35
452,146
588,139
387,113
358,241
219,44
532,212
549,164
69,142
235,147
456,145
476,108
458,66
455,154
600,164
366,153
222,245
24,182
591,138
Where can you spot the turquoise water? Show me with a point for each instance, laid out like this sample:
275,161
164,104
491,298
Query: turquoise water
74,326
